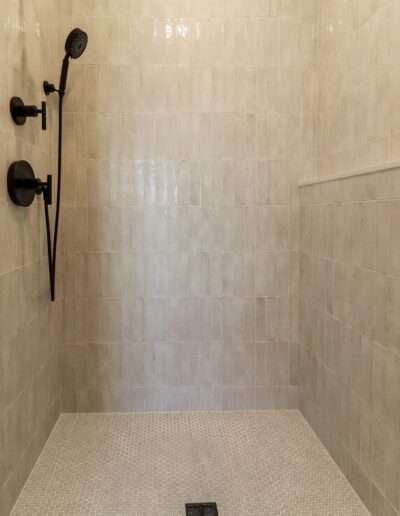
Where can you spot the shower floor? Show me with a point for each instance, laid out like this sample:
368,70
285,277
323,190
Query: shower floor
249,463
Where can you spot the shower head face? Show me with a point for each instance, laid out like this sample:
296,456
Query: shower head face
76,43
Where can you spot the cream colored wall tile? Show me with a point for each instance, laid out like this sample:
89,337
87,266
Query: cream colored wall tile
393,329
182,365
29,390
268,42
356,361
227,136
193,120
368,99
394,238
392,410
273,136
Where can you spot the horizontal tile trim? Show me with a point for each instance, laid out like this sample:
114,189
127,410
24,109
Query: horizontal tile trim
361,172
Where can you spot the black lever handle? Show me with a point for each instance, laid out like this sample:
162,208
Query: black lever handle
45,188
20,112
44,116
40,187
48,192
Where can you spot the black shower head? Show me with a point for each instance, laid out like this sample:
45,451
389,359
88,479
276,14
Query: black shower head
75,46
76,43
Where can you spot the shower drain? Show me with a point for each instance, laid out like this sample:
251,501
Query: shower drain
201,509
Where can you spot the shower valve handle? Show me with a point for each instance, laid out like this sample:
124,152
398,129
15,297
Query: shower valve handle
23,185
45,188
43,111
48,190
20,112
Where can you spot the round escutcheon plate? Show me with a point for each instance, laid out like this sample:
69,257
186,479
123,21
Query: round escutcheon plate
16,104
21,183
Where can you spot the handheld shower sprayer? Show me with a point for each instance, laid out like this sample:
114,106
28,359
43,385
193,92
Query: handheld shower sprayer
75,45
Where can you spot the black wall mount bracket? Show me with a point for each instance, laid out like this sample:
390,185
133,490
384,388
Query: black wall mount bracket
20,112
48,88
23,186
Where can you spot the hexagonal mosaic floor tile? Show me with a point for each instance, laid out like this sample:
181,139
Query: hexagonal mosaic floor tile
145,464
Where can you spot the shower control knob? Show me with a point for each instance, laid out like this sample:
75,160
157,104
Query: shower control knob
48,189
44,116
23,186
20,112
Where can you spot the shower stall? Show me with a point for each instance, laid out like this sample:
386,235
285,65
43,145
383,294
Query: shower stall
222,201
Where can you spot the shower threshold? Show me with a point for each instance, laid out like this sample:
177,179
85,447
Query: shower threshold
145,464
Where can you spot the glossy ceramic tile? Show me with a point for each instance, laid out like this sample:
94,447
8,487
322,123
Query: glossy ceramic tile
30,329
188,123
349,332
187,127
357,117
249,463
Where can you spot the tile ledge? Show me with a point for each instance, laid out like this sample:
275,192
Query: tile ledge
361,172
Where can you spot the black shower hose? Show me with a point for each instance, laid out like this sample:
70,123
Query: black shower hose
52,253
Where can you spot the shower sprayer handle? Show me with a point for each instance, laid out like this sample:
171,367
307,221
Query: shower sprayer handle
45,188
20,112
48,191
43,111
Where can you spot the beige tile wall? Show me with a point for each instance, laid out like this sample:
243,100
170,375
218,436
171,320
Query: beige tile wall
30,326
186,130
357,121
349,340
349,330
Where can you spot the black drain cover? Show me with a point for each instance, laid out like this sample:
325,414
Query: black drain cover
201,509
